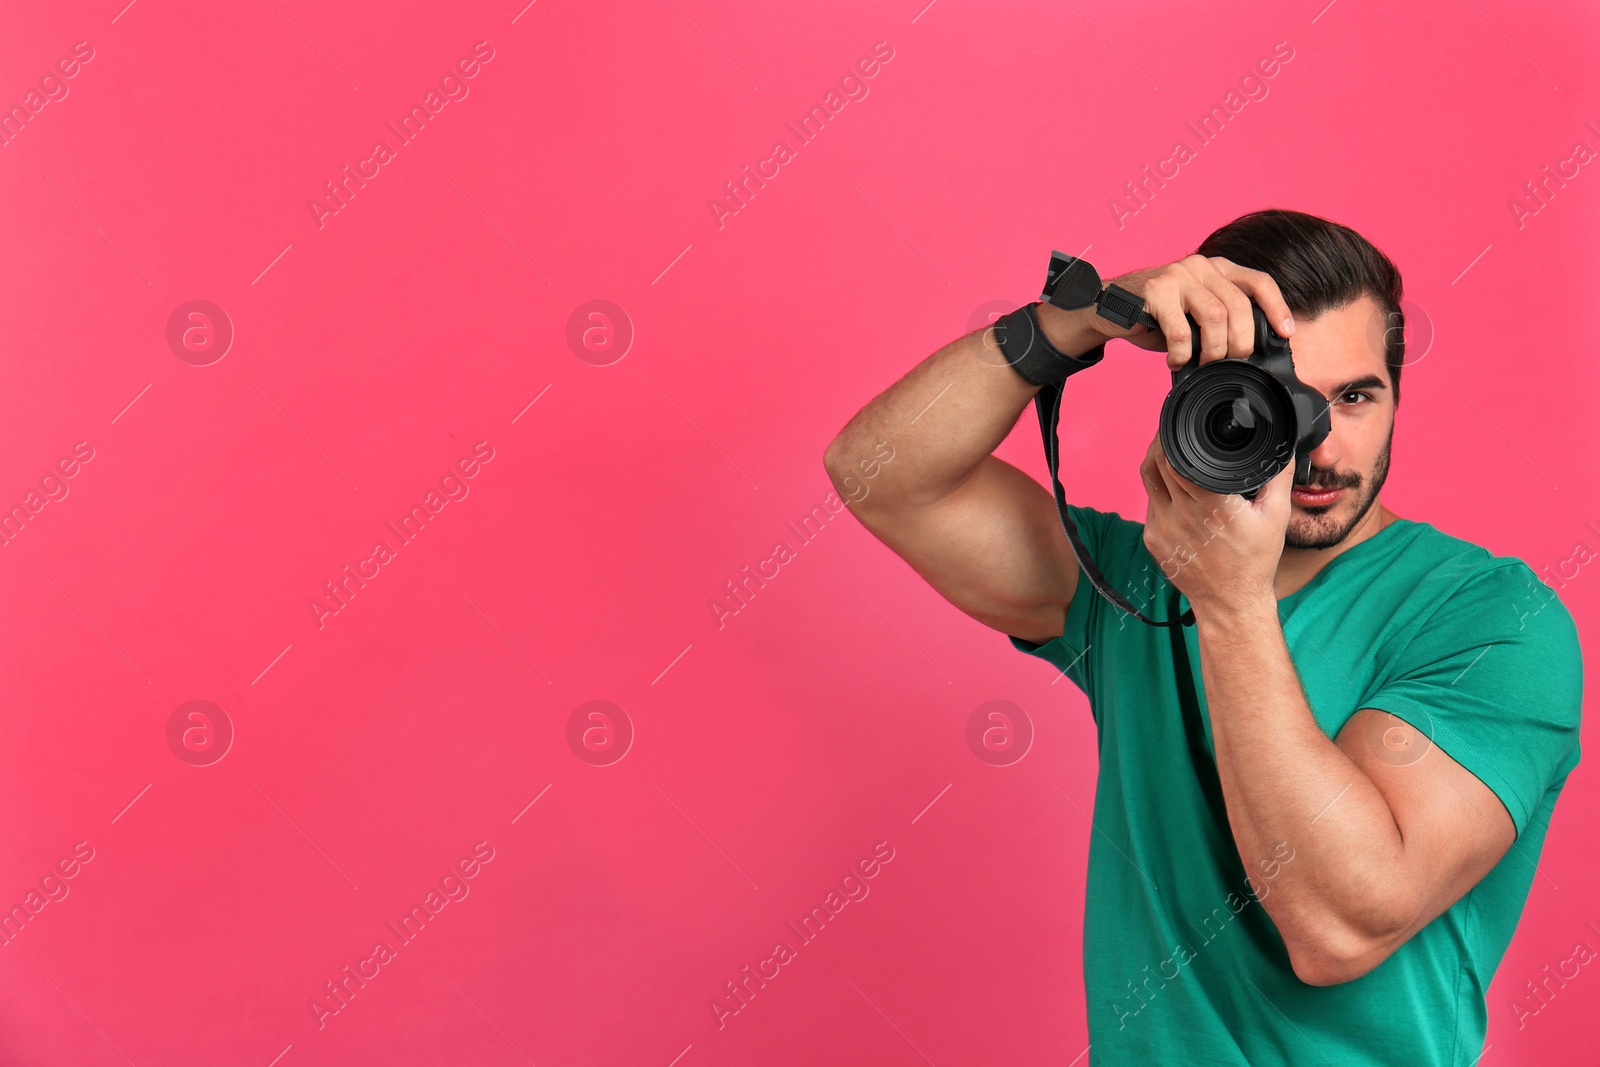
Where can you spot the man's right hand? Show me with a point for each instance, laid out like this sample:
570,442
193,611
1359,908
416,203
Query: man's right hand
1216,291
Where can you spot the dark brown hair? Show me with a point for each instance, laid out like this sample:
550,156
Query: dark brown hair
1319,266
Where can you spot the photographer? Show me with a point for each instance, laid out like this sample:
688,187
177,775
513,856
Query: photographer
1361,713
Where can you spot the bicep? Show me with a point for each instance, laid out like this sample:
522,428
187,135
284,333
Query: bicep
993,547
1452,826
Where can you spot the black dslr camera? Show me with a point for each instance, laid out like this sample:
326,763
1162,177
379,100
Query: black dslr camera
1231,425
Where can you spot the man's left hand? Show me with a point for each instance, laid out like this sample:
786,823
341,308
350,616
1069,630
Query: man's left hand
1220,550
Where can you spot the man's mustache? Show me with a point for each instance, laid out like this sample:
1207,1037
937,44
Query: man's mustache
1331,480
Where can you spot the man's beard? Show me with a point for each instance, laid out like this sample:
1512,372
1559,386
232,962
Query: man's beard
1313,528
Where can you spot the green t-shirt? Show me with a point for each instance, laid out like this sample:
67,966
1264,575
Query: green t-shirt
1181,963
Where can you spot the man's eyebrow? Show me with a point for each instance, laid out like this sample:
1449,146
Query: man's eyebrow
1371,381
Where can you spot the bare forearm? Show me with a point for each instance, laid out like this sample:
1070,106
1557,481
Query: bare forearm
1284,780
948,413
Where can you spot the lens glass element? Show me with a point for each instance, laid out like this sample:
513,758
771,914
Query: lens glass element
1228,427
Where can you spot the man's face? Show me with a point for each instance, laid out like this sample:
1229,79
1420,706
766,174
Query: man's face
1340,355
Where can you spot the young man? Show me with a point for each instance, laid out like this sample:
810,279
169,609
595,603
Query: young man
1319,807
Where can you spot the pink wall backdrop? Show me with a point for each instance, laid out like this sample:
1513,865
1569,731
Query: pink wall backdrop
242,343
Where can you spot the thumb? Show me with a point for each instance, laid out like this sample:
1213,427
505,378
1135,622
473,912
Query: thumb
1274,495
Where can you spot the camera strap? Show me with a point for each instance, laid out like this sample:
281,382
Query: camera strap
1047,402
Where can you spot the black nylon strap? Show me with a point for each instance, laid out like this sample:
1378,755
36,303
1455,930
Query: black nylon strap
1047,402
1029,352
1124,308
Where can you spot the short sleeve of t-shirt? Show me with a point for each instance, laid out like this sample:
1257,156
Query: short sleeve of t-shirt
1495,678
1116,545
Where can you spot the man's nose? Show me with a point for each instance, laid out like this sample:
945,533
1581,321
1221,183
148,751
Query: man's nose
1328,453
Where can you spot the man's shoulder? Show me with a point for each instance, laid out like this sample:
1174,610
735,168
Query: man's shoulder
1461,580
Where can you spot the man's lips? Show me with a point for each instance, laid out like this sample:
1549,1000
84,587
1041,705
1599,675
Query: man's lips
1315,497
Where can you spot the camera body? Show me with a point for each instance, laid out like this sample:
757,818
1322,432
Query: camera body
1231,425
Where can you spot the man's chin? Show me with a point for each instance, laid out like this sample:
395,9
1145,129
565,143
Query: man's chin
1315,528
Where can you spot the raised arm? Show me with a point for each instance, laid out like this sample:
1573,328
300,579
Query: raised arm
982,532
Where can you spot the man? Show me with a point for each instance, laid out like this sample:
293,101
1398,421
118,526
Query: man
1319,807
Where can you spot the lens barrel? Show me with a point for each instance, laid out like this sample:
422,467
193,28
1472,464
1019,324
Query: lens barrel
1229,427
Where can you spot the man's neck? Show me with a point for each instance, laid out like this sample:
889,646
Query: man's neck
1297,566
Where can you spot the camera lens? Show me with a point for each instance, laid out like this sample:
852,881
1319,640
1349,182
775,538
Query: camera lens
1228,427
1230,424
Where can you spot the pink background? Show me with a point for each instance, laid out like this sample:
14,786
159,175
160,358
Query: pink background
771,753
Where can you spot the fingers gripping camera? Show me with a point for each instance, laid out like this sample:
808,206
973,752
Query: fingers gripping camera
1231,425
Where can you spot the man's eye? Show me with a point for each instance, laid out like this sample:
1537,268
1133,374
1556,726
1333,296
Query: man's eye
1363,396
